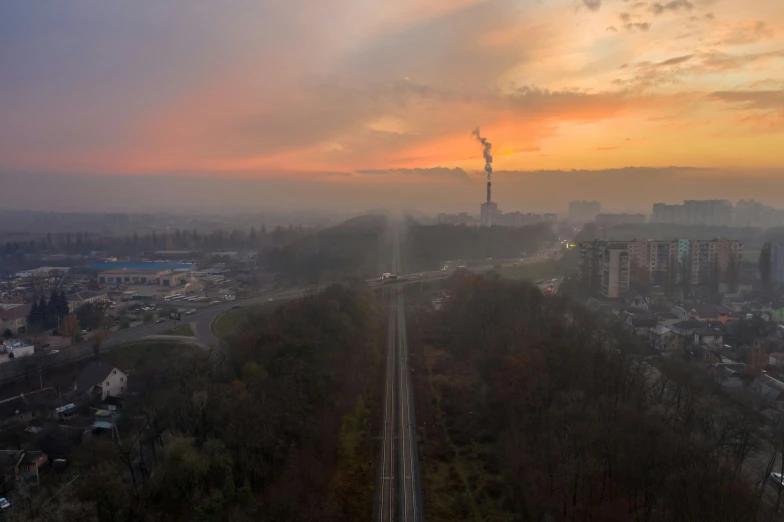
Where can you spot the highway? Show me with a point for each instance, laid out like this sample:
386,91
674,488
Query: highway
399,496
203,319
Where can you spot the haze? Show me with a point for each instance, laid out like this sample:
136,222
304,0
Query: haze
352,104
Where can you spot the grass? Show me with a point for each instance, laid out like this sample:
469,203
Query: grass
228,323
751,256
139,356
533,271
184,330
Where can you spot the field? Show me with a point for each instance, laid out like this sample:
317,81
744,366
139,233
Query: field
184,330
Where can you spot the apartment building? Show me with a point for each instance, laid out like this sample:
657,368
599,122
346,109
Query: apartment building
584,211
694,212
611,220
605,266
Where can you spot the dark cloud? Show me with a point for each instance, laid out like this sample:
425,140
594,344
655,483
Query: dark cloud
431,172
762,100
637,26
675,61
674,5
710,16
625,17
593,5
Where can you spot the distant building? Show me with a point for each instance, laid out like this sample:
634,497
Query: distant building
487,213
14,318
43,271
79,299
464,218
709,212
611,220
584,211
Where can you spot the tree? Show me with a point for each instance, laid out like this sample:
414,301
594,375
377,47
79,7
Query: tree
732,274
91,315
147,317
69,327
7,334
43,310
766,264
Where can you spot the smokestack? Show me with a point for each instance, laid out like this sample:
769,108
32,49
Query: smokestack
487,148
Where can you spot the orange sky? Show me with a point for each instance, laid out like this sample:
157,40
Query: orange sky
263,89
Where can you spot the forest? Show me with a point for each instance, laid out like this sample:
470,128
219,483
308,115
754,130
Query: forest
355,248
531,408
427,247
274,426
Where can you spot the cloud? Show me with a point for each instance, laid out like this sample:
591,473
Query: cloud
593,5
637,26
606,148
764,100
422,172
612,29
742,33
675,5
625,17
675,61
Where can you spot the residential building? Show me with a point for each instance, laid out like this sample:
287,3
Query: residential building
777,263
13,317
611,220
710,212
79,299
584,211
754,214
21,464
770,391
27,406
605,265
708,255
100,380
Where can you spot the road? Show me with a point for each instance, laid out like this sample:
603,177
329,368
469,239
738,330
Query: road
399,495
203,319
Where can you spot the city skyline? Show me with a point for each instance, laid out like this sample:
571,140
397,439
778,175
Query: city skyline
247,90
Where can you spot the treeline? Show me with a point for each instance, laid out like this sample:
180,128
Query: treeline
82,243
355,248
276,426
47,314
426,247
538,410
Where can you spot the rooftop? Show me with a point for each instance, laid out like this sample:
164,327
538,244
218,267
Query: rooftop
140,266
92,374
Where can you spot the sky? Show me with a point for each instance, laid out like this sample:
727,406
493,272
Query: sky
362,103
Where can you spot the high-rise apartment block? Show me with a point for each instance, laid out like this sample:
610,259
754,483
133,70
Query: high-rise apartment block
709,212
584,211
611,220
606,265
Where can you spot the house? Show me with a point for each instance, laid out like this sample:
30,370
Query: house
641,324
702,354
729,375
79,299
686,327
100,380
680,312
663,339
21,464
735,303
14,318
704,313
709,337
770,391
27,406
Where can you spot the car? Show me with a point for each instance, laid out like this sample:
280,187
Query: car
4,504
54,352
778,478
270,300
235,307
160,320
191,311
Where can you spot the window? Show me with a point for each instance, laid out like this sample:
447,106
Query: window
122,388
121,379
107,383
115,372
